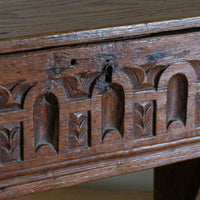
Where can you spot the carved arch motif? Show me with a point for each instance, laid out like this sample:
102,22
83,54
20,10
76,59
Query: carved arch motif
109,97
112,112
176,91
46,134
45,121
177,96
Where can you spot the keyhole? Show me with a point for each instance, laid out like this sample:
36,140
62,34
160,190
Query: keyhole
108,73
73,62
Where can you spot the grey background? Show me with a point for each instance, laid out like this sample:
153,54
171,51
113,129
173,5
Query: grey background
142,180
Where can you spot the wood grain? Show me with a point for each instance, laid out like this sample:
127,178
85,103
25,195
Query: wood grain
25,17
70,90
26,25
101,100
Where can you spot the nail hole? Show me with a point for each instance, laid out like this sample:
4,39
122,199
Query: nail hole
73,62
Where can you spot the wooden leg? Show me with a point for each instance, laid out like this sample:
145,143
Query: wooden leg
179,181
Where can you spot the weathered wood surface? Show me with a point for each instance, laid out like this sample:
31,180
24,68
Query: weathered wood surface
24,17
28,25
101,100
75,114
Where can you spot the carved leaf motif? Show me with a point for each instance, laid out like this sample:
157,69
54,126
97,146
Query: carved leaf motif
78,129
196,65
79,124
4,96
79,85
10,139
136,76
144,76
72,87
4,135
143,119
12,95
9,144
88,80
154,73
19,92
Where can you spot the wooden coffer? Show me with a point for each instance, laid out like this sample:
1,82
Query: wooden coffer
95,109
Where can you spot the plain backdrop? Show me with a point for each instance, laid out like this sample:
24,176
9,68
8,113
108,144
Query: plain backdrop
142,180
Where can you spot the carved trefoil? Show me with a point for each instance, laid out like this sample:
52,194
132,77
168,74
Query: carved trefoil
79,130
144,120
10,143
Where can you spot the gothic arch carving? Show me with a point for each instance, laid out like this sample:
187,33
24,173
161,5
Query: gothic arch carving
46,121
176,91
46,133
177,96
110,95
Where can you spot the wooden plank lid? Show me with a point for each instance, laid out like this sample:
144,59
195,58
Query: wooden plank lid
27,25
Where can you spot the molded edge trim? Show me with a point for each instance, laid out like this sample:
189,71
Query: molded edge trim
108,168
95,35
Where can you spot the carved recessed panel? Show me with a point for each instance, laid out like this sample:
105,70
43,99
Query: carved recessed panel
10,143
45,121
144,119
177,94
112,113
79,130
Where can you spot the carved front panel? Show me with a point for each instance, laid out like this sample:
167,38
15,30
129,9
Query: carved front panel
80,103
